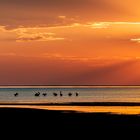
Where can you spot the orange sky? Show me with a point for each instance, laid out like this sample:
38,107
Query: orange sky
69,42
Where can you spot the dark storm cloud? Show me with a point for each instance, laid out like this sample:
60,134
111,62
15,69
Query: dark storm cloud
38,12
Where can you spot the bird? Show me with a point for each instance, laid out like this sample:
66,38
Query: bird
77,94
70,94
37,94
44,94
61,93
16,94
55,94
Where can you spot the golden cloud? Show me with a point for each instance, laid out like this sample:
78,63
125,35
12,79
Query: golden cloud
37,37
107,31
135,40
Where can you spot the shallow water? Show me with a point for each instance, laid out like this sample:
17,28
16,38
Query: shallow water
14,95
84,94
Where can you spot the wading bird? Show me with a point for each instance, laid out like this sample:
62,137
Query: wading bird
70,94
55,94
44,94
77,94
16,94
37,94
61,93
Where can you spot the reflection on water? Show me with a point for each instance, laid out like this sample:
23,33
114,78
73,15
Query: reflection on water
58,94
70,94
135,110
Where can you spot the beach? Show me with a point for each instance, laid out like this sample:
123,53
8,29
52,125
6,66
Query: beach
68,119
95,109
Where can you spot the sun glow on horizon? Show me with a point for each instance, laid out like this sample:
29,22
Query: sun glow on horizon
45,42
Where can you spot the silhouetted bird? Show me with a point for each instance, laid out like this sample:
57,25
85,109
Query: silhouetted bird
16,94
70,94
77,94
61,93
44,94
37,94
55,94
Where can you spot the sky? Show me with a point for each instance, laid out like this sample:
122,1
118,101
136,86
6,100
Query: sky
69,42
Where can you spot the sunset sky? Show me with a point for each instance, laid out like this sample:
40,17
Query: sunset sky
69,42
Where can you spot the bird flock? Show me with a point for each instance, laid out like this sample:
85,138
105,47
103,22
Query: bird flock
55,94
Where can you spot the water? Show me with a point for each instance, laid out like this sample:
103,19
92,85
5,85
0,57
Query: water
11,95
69,94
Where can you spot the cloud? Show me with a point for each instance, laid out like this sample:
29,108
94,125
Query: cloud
55,4
25,37
104,25
36,34
28,34
96,61
76,33
31,13
62,17
100,25
135,40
